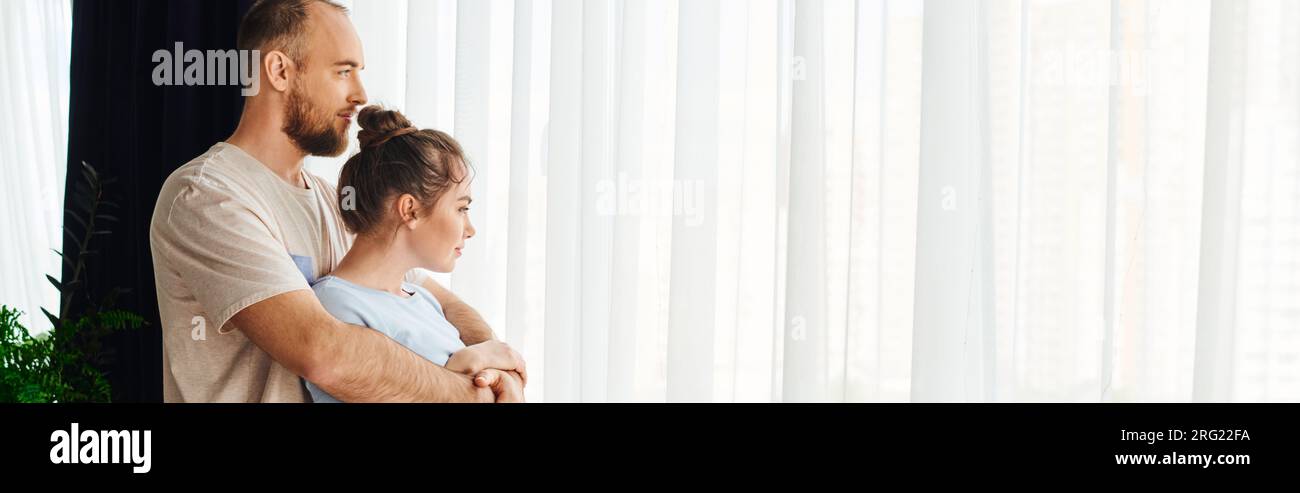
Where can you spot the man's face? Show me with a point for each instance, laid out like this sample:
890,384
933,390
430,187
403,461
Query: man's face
326,89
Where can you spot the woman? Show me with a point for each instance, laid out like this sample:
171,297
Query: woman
406,197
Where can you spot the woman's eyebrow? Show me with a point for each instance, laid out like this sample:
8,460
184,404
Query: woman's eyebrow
467,198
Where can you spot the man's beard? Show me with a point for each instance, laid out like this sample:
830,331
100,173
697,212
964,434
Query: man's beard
313,133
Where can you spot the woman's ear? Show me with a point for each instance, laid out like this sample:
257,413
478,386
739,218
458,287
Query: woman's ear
408,209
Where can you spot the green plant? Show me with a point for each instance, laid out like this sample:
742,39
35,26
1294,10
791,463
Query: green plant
50,367
27,363
65,364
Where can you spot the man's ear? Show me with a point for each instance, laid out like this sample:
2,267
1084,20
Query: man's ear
278,69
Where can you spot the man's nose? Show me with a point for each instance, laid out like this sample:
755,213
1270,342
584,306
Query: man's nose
358,96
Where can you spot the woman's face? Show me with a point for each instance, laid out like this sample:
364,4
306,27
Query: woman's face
437,237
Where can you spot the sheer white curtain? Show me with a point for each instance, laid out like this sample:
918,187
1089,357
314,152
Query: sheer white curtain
36,43
895,200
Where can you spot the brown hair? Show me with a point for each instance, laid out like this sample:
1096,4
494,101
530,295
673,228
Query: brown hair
278,25
396,158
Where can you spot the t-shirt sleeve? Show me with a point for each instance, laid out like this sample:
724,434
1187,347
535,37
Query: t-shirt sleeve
223,252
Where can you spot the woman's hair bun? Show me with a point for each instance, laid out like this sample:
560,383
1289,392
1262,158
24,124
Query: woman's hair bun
379,124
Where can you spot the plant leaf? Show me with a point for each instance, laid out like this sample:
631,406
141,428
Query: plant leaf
54,321
89,171
90,181
66,261
77,217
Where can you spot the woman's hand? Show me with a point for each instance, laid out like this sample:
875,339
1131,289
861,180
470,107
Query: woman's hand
491,354
506,386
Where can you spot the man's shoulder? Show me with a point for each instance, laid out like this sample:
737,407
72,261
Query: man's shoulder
214,169
211,177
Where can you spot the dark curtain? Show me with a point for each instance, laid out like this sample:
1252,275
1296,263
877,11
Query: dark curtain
138,133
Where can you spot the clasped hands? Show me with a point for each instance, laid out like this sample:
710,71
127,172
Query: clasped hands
498,371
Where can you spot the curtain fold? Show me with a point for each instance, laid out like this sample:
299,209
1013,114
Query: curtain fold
951,326
692,278
36,40
1222,204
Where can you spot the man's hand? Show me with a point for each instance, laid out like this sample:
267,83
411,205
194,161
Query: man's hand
507,386
491,354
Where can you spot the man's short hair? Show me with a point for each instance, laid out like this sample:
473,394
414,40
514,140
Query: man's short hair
281,25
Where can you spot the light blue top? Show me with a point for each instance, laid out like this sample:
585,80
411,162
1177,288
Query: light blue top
416,322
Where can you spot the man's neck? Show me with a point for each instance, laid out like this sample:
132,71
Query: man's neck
263,139
371,263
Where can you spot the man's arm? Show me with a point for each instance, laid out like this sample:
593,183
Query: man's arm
465,318
350,362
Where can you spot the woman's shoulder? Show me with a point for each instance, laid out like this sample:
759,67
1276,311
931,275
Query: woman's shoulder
328,284
342,301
